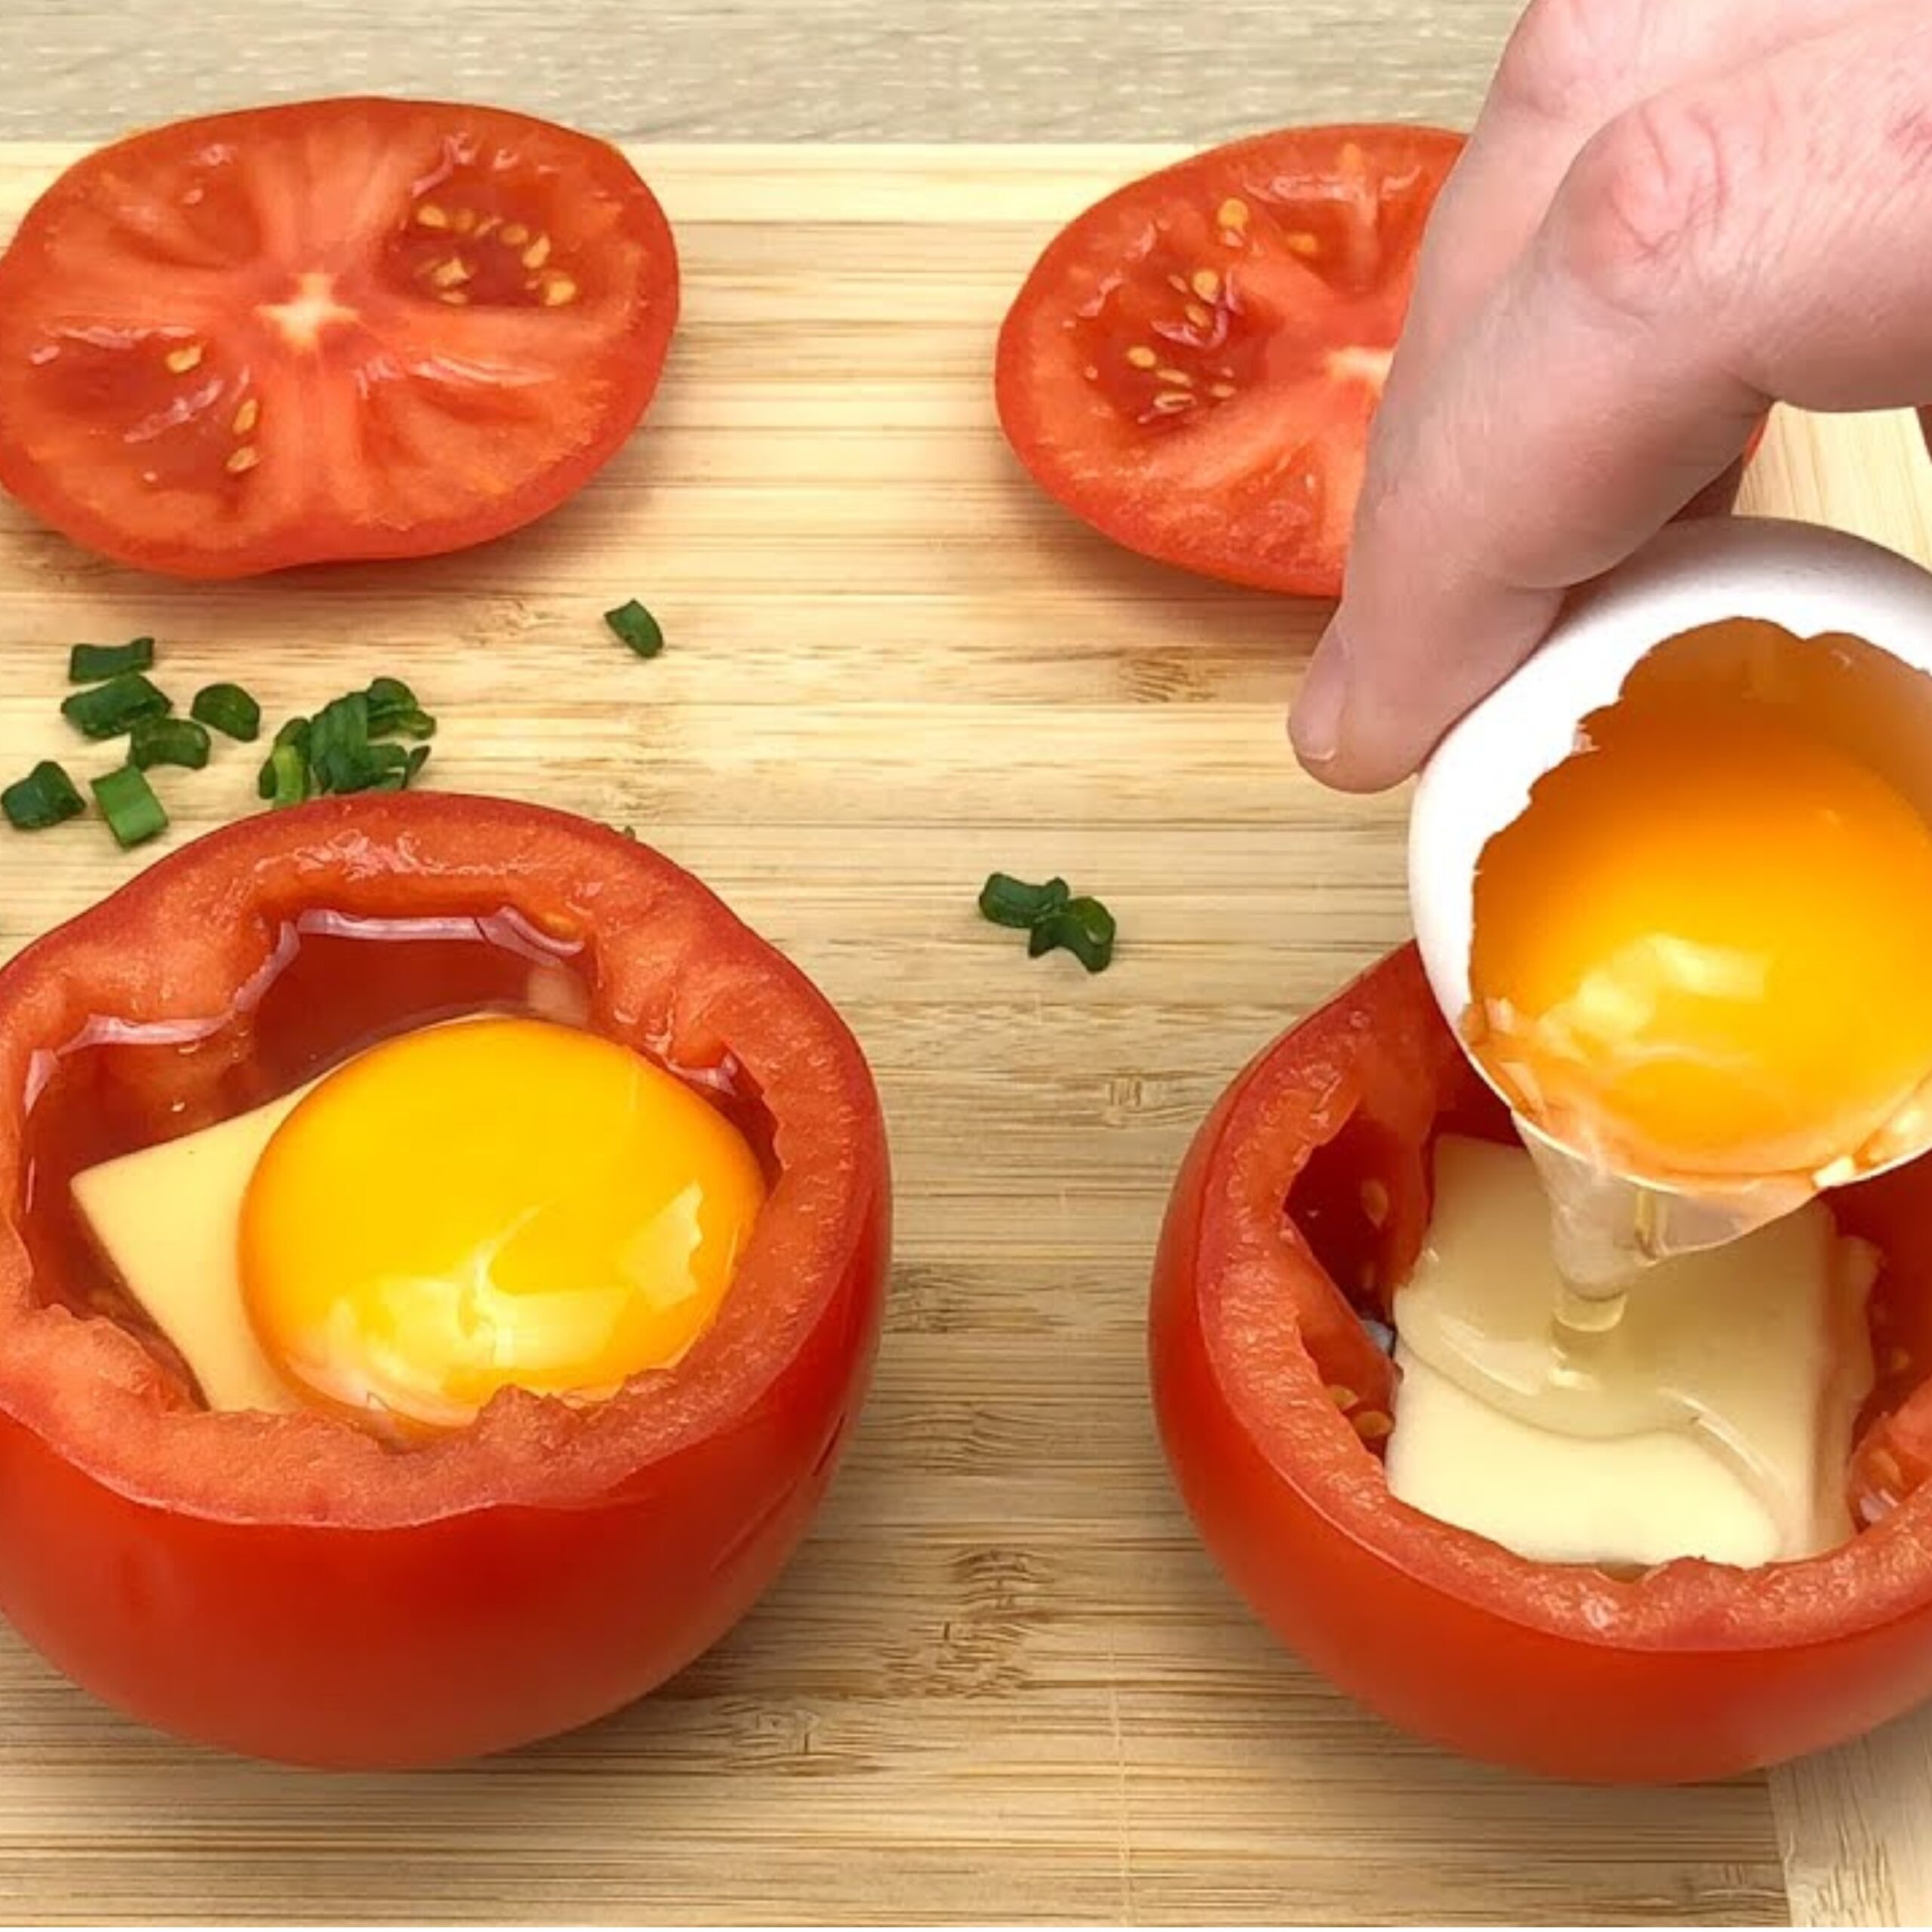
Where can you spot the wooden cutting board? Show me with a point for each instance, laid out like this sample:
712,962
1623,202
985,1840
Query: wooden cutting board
1001,1681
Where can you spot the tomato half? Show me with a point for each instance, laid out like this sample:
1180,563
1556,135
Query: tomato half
344,329
1193,364
287,1584
1304,1200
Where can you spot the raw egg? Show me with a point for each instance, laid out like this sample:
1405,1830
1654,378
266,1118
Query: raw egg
496,1203
1672,881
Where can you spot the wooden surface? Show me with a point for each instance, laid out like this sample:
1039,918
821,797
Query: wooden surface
1001,1680
767,69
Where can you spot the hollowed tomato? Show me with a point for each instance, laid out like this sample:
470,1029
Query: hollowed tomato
349,328
290,1585
1301,1203
1193,364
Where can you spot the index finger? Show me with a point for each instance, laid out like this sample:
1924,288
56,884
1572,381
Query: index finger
1697,261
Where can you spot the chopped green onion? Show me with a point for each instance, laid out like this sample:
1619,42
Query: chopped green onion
106,711
1051,918
637,627
92,663
284,779
394,712
339,743
1008,901
229,710
343,748
1082,927
127,801
45,796
168,741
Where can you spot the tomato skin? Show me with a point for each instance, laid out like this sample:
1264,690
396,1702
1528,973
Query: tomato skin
1694,1672
346,1607
404,428
1230,443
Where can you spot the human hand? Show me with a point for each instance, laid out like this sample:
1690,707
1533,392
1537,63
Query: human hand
1672,213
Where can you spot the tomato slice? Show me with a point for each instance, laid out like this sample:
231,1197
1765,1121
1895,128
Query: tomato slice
348,328
1301,1203
288,1585
1193,364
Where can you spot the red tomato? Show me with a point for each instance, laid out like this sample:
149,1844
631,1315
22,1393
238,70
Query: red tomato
1193,364
348,328
1304,1198
290,1586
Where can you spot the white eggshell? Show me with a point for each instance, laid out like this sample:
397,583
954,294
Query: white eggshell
1812,581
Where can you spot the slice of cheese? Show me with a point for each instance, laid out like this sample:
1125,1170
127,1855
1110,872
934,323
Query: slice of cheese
168,1219
1714,1420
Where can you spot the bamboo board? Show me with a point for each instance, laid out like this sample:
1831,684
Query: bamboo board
1001,1680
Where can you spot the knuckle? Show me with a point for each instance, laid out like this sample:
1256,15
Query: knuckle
1555,66
1637,215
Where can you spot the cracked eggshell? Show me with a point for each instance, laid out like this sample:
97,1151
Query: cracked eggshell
1812,581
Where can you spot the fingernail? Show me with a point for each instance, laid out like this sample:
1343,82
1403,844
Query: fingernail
1315,724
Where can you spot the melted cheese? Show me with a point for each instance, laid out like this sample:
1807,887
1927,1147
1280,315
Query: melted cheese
1714,1420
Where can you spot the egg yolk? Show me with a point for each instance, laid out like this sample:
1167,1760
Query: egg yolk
499,1203
1705,949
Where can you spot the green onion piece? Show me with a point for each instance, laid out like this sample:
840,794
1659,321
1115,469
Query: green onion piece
92,663
106,711
636,627
45,796
344,747
284,779
343,759
1008,901
341,755
394,712
127,801
1082,927
168,741
229,710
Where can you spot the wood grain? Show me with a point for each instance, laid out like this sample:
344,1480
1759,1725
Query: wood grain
1001,1681
768,69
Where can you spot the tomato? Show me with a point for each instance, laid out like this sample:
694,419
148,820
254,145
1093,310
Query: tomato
344,329
1192,365
1303,1199
289,1585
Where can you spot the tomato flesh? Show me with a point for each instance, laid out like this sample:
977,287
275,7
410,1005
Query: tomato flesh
1193,364
1302,1204
348,328
287,1585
